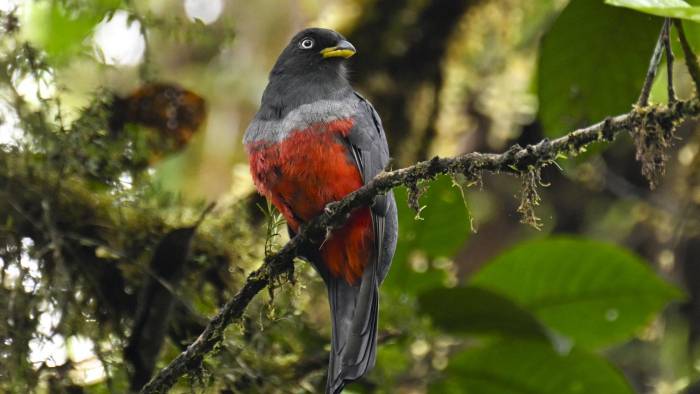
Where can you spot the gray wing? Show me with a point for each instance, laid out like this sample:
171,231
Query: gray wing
371,152
354,308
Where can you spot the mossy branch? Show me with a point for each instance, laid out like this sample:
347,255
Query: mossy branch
521,161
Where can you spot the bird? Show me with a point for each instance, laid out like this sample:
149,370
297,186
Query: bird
313,141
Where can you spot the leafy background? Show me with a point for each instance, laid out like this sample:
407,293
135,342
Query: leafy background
604,299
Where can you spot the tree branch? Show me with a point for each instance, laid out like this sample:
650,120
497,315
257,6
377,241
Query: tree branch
691,59
653,68
517,160
666,34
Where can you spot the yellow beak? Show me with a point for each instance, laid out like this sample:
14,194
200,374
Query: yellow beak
343,49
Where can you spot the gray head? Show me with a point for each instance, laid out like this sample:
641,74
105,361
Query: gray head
310,68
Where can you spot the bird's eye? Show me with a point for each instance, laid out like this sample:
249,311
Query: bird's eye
306,43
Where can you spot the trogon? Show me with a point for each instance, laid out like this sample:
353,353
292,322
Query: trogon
313,141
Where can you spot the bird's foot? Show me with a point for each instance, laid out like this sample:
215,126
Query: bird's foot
330,208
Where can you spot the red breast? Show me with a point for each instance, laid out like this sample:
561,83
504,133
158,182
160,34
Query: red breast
304,172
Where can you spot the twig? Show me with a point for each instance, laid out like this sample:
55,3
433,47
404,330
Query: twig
691,59
105,365
669,61
651,71
204,214
516,161
56,239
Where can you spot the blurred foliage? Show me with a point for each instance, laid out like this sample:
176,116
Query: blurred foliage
530,367
61,27
557,278
601,74
429,238
670,8
481,311
505,309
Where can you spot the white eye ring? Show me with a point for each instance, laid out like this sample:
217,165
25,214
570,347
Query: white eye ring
306,43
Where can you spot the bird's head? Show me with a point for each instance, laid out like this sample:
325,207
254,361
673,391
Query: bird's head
314,51
310,68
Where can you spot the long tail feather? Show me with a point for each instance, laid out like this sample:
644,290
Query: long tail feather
354,337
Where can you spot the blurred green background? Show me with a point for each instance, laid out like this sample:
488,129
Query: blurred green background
101,263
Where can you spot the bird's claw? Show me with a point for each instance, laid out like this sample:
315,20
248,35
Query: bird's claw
330,208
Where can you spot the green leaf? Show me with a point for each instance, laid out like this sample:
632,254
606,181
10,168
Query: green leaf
479,311
667,8
519,367
692,32
61,30
592,64
594,293
637,4
444,228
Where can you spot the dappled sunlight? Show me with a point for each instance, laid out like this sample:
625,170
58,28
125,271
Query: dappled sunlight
206,11
118,40
10,132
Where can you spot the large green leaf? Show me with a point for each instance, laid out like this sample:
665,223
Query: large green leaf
479,311
442,229
594,293
669,8
592,64
518,367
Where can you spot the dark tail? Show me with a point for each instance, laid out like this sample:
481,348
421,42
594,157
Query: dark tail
354,337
